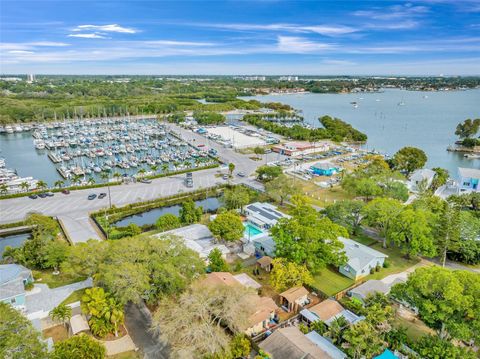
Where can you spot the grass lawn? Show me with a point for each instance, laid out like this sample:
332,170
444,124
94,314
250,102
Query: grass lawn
74,297
57,333
54,281
364,239
398,263
415,329
322,196
330,282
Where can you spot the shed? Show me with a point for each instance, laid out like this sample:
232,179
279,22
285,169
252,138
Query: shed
294,298
78,324
265,263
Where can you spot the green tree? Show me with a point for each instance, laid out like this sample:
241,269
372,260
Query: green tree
3,188
189,213
167,222
56,254
231,168
409,159
259,151
240,346
336,328
447,300
268,173
433,347
19,339
307,238
468,128
216,263
347,213
236,197
281,188
363,341
441,177
62,313
59,183
79,346
41,184
380,214
286,274
410,230
448,230
227,226
25,186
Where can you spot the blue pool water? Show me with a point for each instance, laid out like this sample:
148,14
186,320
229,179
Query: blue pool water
251,230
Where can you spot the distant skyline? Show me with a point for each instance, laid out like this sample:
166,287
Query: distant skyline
268,37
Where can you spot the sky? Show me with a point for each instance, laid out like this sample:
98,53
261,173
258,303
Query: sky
269,37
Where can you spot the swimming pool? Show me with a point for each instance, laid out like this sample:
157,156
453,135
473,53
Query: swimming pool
251,230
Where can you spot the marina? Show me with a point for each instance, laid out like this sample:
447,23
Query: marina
93,151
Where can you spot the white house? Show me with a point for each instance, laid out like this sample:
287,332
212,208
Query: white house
263,215
420,176
469,179
361,259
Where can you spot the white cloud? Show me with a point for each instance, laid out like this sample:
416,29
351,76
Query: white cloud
327,30
93,35
20,52
299,45
393,12
106,28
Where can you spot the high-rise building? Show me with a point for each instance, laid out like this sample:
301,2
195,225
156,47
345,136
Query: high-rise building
30,78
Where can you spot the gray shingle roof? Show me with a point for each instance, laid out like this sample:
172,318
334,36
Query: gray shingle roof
12,289
9,272
469,172
358,254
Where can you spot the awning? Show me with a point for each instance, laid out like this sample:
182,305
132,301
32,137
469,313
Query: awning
311,317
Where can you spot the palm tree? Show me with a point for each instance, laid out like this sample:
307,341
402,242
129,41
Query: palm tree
104,177
3,188
91,180
117,175
25,186
231,168
42,184
154,168
59,183
141,172
115,314
336,328
75,179
62,313
165,168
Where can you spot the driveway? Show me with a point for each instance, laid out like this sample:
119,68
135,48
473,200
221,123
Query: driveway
42,299
138,320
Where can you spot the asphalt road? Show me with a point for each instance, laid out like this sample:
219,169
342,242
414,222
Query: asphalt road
138,320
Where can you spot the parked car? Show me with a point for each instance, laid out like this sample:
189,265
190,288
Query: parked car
49,194
92,196
145,180
66,191
42,195
241,174
225,177
33,196
102,195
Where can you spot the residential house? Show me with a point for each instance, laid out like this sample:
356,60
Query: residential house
360,259
264,246
371,287
13,278
422,177
263,309
263,215
327,311
198,238
291,343
294,299
324,169
469,179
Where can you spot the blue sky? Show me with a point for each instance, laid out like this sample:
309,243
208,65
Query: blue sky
240,37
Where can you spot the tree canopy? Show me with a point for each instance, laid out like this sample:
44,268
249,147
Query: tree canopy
281,187
308,238
227,226
79,346
409,159
287,274
447,300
